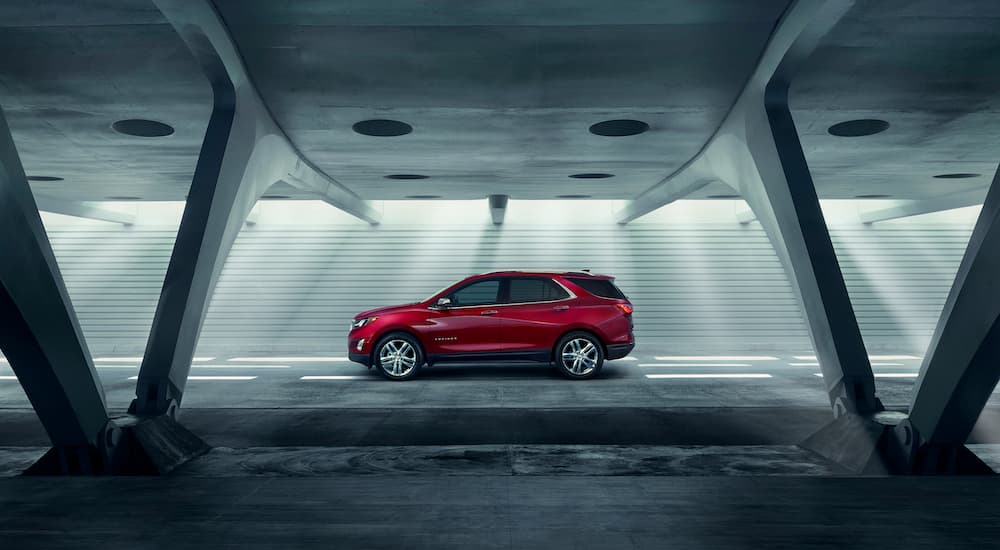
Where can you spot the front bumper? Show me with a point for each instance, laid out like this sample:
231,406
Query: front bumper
617,351
359,347
363,358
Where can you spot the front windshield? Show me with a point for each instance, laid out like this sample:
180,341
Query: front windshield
436,293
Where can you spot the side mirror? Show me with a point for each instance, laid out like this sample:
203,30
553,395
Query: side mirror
443,303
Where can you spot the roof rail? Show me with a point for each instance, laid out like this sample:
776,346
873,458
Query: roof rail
572,271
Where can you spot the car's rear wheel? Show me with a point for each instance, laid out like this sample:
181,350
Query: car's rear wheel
579,355
398,356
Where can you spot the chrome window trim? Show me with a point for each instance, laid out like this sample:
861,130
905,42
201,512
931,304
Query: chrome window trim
571,296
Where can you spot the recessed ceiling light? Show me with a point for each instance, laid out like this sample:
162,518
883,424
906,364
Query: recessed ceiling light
619,128
44,178
382,127
859,127
872,196
123,198
275,197
572,196
142,128
956,176
725,197
406,177
422,197
591,176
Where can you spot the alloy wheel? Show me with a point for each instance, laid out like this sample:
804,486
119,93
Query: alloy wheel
579,356
397,357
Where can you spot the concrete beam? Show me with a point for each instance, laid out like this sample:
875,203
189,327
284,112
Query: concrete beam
498,208
306,177
950,201
243,154
670,189
756,151
39,331
82,209
746,217
254,215
962,364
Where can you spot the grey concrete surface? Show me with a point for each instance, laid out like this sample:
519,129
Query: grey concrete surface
16,459
525,385
486,385
523,512
476,426
501,96
536,460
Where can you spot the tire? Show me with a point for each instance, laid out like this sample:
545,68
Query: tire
579,355
398,356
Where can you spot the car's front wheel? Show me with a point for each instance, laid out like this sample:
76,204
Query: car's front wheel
579,355
398,356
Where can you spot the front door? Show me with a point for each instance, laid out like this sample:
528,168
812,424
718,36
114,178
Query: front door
470,324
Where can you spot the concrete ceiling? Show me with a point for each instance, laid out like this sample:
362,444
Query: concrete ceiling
500,94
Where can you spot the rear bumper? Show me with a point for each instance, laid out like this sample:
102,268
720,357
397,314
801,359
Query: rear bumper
362,358
617,351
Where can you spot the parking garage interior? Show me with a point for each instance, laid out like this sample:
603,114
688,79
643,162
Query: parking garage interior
797,196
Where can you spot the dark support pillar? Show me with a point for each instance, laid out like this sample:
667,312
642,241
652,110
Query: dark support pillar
780,191
782,195
39,331
218,203
756,151
960,370
962,364
243,154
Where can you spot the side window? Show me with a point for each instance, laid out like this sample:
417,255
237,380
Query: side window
599,287
476,294
534,289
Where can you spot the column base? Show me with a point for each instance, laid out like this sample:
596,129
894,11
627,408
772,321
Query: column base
885,444
136,446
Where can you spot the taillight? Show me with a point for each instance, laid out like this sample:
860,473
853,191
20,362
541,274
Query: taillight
626,308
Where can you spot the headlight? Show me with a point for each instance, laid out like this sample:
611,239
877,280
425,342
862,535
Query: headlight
358,323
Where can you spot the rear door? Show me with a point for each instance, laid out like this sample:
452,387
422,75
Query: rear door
534,313
471,324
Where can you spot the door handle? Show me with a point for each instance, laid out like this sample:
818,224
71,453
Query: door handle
489,312
560,308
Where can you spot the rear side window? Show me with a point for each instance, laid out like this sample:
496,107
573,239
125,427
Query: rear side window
598,287
534,289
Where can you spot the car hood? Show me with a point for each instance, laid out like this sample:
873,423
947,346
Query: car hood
385,310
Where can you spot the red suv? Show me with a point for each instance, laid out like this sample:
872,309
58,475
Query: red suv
574,319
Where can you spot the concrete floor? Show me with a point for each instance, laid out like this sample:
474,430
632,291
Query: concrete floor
505,456
523,512
790,382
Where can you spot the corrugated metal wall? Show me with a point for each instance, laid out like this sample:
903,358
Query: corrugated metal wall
696,286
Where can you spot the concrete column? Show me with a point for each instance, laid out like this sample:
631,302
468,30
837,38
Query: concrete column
962,364
775,181
756,151
498,208
39,331
243,154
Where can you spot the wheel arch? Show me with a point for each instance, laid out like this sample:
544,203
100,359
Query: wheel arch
588,330
388,331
